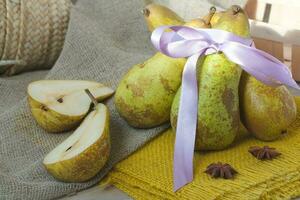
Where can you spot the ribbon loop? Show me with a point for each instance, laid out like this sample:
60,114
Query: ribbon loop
193,43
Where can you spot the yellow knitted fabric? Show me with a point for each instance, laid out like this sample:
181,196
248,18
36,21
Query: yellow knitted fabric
147,174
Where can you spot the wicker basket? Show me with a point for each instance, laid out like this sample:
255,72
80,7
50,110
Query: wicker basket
275,26
32,33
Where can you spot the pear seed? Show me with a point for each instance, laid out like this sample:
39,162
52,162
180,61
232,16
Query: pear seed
69,148
60,100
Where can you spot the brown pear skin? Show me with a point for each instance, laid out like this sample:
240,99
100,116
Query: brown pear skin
218,82
157,15
266,111
145,94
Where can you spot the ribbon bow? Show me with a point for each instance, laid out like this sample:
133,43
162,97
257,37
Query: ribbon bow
193,43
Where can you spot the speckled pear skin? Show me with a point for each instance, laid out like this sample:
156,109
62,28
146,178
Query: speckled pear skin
265,111
86,164
218,81
145,94
157,15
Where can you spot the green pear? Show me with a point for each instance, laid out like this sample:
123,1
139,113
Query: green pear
157,15
83,154
218,82
60,105
266,111
145,94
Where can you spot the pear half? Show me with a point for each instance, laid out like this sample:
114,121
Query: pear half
60,105
82,155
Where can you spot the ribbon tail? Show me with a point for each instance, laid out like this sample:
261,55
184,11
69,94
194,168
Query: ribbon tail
186,125
259,64
160,38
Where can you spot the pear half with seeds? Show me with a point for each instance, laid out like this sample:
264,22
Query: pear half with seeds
60,105
82,155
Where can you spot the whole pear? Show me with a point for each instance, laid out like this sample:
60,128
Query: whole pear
218,81
265,111
158,15
145,94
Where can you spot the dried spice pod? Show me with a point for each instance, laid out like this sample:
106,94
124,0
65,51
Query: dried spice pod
219,170
264,153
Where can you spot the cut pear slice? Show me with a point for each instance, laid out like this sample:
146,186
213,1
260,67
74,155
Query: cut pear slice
60,105
82,155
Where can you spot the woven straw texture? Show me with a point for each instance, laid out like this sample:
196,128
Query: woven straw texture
147,174
32,33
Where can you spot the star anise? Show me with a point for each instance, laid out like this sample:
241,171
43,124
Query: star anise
264,153
219,170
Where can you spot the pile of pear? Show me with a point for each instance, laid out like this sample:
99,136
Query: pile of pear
63,105
231,102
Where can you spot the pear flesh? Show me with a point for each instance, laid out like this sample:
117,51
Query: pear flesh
60,105
82,155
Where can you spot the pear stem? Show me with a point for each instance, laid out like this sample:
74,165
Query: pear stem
212,10
208,17
236,9
94,100
146,12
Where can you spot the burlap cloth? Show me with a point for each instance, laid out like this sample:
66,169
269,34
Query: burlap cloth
105,38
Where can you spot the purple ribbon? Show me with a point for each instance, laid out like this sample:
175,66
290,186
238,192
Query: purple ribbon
193,43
